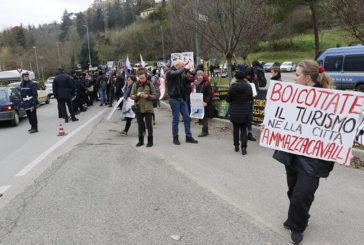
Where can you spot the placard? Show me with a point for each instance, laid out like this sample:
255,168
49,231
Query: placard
314,122
197,108
186,57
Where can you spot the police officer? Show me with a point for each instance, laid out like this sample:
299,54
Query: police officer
29,101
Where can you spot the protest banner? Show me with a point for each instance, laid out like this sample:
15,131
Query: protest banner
126,110
314,122
186,57
259,106
197,108
114,109
162,88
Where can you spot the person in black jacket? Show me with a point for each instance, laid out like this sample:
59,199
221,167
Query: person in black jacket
131,80
178,87
304,173
240,97
203,86
29,101
64,90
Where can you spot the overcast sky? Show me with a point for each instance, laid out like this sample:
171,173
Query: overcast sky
15,12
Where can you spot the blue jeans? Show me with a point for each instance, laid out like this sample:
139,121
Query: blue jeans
180,106
102,95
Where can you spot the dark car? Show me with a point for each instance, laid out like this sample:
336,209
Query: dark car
10,105
268,66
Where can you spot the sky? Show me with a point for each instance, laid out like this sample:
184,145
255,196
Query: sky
35,12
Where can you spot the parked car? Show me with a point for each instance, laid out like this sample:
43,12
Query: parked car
49,85
288,66
43,96
345,65
268,66
10,109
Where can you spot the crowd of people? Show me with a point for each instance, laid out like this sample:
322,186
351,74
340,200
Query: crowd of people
82,90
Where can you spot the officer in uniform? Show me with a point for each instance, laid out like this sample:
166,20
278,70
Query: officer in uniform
29,101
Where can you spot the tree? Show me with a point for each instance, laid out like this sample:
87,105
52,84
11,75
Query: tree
65,25
84,55
19,36
285,7
224,24
98,21
351,15
80,24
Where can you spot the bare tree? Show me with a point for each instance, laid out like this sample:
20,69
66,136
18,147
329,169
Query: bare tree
351,15
224,24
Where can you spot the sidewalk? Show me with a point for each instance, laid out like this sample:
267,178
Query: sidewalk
107,191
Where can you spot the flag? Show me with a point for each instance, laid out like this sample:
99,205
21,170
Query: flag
162,72
127,66
142,61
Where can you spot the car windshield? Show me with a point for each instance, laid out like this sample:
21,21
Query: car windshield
287,63
3,96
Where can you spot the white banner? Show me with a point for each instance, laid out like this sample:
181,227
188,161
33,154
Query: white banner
197,108
114,109
186,57
314,122
127,111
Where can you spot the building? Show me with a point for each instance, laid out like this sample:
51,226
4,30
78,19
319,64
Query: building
144,14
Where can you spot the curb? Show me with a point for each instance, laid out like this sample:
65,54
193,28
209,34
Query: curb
218,122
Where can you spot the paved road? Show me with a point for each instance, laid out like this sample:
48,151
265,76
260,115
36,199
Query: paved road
106,191
18,148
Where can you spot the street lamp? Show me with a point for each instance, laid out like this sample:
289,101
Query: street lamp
36,59
88,44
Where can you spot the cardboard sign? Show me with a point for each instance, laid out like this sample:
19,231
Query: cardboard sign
186,57
126,110
197,108
314,122
259,106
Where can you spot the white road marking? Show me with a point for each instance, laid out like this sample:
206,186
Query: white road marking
4,188
42,156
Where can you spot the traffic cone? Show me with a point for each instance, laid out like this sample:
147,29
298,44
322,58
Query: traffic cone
61,131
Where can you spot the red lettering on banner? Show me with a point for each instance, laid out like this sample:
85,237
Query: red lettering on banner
334,101
308,95
344,104
265,135
299,96
276,90
355,104
290,93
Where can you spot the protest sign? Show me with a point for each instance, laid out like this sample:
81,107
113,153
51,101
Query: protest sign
126,110
197,108
259,106
186,57
114,109
314,122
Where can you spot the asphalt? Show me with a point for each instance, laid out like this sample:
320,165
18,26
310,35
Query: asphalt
107,191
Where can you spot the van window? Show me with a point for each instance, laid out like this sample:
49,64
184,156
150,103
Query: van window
333,63
354,63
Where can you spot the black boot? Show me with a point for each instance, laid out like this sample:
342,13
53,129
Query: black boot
236,149
190,139
150,141
203,133
176,140
141,141
74,119
243,150
251,137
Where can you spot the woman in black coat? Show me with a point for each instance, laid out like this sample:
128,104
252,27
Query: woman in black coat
240,97
304,173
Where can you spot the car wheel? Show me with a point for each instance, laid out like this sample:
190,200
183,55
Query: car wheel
48,99
360,88
15,121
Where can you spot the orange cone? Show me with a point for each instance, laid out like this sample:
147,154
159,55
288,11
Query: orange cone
61,131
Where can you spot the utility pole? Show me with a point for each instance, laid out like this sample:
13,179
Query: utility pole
88,44
59,61
197,43
36,60
162,42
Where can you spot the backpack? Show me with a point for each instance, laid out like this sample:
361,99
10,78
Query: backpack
262,81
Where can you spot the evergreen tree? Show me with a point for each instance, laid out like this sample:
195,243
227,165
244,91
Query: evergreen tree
65,25
84,55
19,36
80,24
98,20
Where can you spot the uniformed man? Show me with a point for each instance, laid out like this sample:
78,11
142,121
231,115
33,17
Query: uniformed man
29,101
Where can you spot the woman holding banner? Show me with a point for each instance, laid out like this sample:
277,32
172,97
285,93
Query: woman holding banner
240,98
304,173
143,93
130,80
